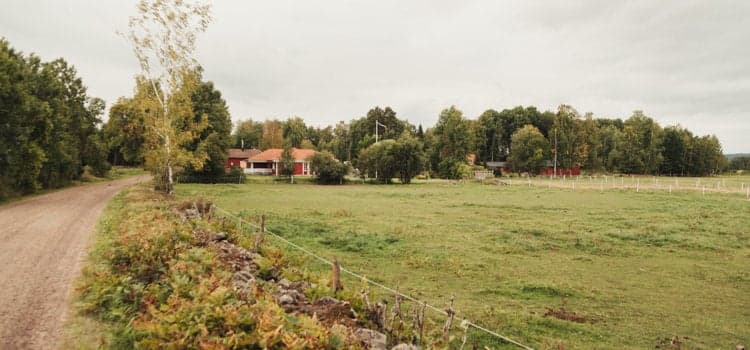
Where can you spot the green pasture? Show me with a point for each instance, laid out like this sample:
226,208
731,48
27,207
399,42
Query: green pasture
636,269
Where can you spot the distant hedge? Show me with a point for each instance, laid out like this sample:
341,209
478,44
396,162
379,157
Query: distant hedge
234,176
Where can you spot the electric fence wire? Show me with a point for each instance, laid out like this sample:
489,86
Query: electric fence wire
464,321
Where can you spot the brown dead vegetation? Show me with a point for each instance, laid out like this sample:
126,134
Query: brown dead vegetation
566,315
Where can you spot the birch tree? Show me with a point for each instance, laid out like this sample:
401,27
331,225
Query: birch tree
163,35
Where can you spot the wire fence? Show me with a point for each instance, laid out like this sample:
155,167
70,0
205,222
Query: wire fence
651,184
467,335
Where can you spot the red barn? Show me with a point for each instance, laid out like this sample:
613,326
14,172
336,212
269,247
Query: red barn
238,157
268,162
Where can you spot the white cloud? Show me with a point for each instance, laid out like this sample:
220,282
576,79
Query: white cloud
679,61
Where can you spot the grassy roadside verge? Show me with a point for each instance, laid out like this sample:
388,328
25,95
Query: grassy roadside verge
163,273
83,331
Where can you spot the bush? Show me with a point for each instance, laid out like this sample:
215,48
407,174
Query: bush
454,169
377,160
402,158
328,170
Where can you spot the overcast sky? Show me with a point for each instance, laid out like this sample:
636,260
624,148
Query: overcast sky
685,62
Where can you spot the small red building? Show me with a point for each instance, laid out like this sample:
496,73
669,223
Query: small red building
268,162
238,157
549,171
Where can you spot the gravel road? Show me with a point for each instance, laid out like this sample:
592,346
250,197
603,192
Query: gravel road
43,243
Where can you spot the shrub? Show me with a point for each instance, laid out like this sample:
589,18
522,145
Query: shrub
402,158
328,170
454,169
156,284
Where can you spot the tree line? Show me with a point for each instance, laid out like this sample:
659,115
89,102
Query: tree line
49,125
526,138
521,136
52,134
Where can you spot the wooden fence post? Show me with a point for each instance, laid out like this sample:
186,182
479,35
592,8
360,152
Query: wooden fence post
336,276
262,234
418,320
449,321
396,314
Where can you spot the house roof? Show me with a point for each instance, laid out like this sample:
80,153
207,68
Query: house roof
274,154
239,153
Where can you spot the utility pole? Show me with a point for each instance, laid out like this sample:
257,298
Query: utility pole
554,164
377,123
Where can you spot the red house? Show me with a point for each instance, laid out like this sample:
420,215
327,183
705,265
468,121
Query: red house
238,157
268,162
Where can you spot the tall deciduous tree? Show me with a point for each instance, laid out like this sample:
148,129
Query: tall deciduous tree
26,125
677,142
273,134
640,145
529,149
566,137
362,130
287,162
409,157
163,35
378,161
247,134
706,156
341,143
294,131
402,158
125,133
452,142
215,138
48,124
489,137
590,144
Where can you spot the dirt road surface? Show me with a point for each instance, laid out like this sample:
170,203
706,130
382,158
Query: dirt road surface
43,243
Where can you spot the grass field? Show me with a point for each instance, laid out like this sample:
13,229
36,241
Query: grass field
637,268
